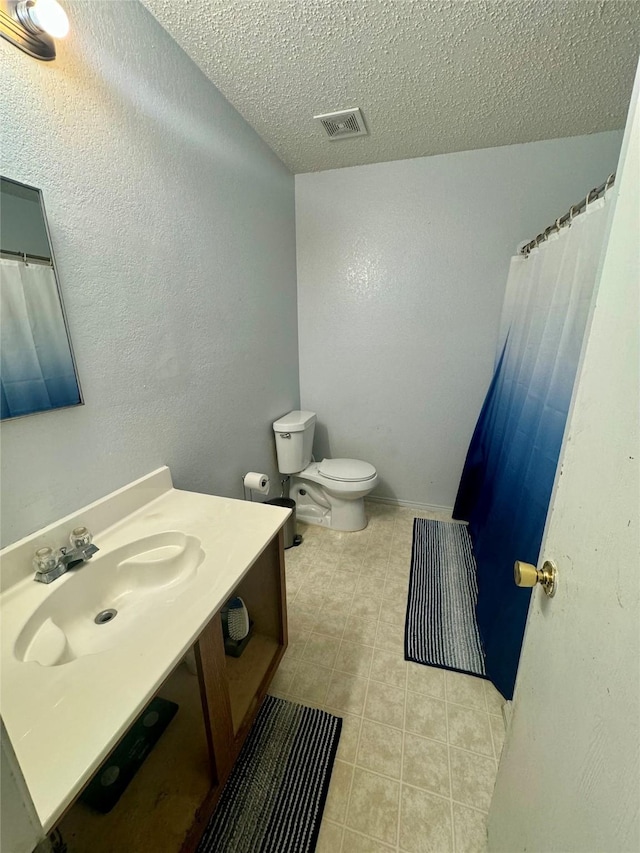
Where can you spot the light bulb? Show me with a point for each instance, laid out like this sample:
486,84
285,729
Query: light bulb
50,17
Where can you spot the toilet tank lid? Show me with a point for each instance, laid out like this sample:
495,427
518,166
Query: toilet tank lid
294,421
347,470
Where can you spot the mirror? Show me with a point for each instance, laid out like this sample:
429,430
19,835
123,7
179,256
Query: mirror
37,368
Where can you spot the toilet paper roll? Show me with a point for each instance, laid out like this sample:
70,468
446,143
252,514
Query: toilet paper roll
257,482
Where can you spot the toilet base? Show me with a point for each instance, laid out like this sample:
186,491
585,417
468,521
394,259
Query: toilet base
336,513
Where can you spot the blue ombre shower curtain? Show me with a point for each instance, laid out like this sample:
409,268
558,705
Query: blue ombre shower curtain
36,367
511,463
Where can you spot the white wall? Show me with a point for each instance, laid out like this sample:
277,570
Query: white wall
173,229
401,275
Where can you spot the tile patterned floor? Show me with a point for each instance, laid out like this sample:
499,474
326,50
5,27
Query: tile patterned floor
418,753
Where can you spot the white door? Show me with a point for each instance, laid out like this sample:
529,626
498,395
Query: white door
569,775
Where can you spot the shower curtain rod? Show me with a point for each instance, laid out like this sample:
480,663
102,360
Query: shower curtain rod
25,257
561,221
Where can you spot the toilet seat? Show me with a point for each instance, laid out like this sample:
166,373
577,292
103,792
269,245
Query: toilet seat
346,470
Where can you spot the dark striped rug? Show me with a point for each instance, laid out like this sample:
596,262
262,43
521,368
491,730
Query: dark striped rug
275,796
441,628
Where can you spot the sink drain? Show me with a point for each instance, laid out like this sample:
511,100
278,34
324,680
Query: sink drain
105,616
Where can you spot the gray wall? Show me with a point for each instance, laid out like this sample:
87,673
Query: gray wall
401,274
174,233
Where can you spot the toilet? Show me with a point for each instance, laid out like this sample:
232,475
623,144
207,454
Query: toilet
331,492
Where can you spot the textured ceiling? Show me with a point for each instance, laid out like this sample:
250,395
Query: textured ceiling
431,76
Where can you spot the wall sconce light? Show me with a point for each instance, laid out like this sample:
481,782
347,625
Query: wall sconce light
32,25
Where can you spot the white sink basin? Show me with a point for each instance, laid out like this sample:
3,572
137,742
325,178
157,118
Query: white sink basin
130,580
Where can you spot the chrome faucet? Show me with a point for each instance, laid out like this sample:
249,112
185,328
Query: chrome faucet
50,564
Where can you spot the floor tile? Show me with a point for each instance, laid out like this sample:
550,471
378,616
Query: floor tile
319,577
354,658
337,601
310,683
472,778
390,637
400,556
353,842
365,606
327,560
393,612
297,642
346,693
498,733
339,789
344,581
353,666
361,630
350,563
374,567
494,699
469,729
295,570
425,679
380,749
388,667
426,764
385,704
370,586
349,736
426,716
321,649
329,622
395,586
381,821
301,618
330,838
465,690
425,822
292,591
306,599
469,830
283,677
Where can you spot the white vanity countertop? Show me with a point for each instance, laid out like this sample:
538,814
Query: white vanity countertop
64,720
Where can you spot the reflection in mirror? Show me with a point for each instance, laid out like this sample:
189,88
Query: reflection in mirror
37,370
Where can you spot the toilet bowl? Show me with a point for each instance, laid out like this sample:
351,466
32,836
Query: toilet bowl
331,492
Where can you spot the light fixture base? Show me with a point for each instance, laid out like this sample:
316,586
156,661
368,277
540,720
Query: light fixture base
37,45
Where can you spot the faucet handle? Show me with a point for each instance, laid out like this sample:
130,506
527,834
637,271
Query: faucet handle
45,559
80,537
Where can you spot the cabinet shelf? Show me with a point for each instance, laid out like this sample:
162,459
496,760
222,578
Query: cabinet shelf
248,675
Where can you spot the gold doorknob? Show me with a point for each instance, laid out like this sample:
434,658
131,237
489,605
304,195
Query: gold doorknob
526,574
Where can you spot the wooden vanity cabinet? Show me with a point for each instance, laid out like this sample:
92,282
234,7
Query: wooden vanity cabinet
169,802
233,688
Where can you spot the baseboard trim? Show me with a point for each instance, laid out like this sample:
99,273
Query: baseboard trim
411,504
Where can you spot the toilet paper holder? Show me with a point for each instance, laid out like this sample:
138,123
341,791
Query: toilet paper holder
255,482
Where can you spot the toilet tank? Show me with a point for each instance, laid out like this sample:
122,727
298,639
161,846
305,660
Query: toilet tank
294,441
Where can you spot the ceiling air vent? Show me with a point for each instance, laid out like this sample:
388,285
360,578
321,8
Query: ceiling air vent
343,124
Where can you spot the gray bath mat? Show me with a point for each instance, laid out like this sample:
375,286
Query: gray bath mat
441,628
275,796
